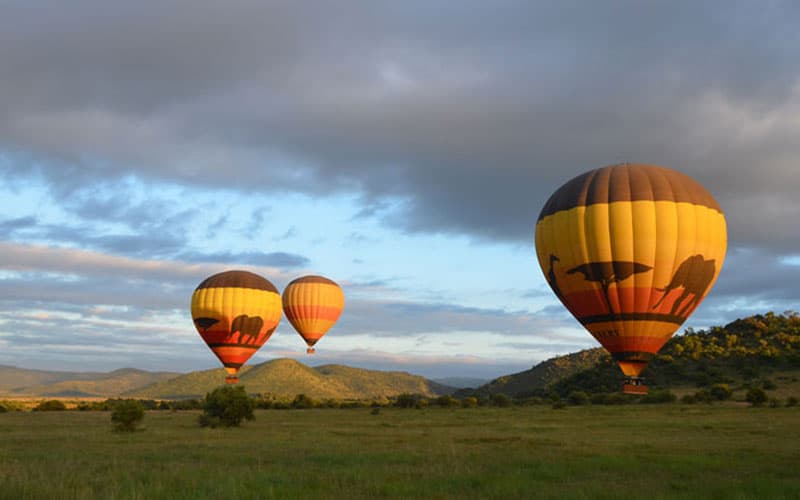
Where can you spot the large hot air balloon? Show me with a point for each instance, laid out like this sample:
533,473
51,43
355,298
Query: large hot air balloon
312,305
631,250
235,312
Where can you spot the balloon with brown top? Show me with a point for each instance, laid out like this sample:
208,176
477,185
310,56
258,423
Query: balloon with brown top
235,312
631,250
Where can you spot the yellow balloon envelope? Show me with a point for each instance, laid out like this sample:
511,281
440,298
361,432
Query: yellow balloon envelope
631,250
312,305
235,312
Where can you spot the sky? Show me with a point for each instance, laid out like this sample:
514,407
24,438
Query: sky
403,149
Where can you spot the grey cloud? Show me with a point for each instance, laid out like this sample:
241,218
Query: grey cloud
272,259
9,226
400,318
470,112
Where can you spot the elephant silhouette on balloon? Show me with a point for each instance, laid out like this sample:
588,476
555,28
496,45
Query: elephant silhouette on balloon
246,326
694,275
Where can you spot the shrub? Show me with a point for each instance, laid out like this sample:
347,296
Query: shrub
559,405
756,396
775,403
375,411
127,415
791,401
187,404
659,397
501,400
303,402
406,400
3,409
469,402
688,399
578,398
720,392
226,406
769,385
52,405
617,398
447,401
702,396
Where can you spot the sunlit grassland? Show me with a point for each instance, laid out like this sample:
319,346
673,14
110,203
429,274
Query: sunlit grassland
662,451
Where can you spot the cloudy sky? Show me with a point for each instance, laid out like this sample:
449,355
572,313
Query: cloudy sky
403,149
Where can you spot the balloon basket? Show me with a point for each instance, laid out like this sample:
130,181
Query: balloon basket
232,379
310,350
635,386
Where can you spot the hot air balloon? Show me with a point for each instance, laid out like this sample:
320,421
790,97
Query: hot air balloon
235,312
312,305
631,250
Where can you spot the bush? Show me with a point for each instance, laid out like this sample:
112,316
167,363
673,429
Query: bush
769,385
791,401
578,398
226,406
756,396
406,400
127,415
447,401
688,399
52,405
303,402
186,404
702,396
659,397
775,403
559,405
501,400
720,392
469,402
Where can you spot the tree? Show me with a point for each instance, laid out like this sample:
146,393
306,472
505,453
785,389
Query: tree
226,406
127,415
756,396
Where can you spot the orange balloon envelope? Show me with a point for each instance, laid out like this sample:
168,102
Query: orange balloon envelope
312,305
631,250
235,312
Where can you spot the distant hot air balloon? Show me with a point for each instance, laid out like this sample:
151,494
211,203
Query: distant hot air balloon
631,250
312,305
235,312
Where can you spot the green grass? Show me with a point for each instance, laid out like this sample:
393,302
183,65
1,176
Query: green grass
653,452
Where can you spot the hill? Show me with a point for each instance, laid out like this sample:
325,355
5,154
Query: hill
287,378
761,350
541,376
19,382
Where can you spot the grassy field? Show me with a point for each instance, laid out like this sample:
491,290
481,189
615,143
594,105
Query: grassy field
663,451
